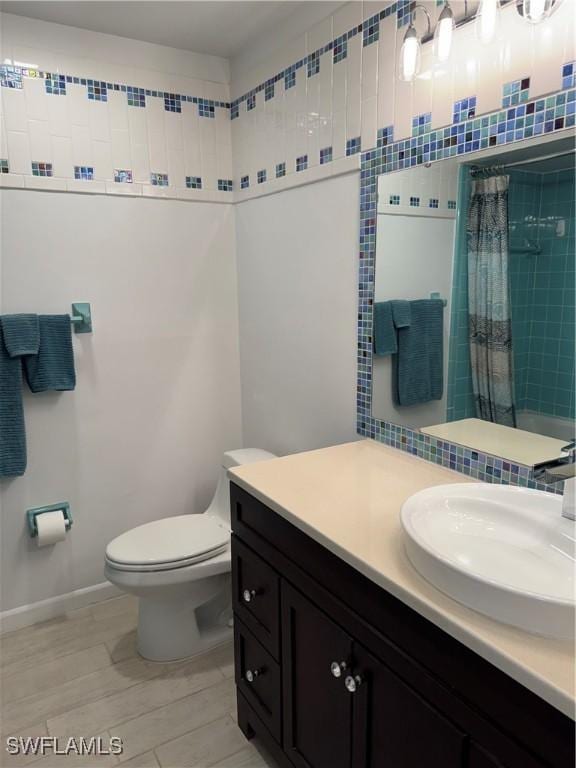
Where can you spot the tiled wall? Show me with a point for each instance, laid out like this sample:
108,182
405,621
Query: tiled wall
335,91
135,118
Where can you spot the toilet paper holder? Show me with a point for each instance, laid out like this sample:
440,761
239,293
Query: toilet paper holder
32,514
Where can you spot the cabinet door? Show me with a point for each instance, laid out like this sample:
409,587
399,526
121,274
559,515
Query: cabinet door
317,707
394,727
479,758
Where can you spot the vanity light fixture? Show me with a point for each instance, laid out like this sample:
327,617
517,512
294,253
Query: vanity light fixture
409,64
487,20
444,33
535,11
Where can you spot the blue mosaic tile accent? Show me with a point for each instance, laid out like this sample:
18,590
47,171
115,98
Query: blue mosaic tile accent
421,124
394,200
251,103
385,136
280,170
451,205
122,175
4,167
55,84
244,182
234,111
261,176
414,202
194,182
41,169
301,163
289,79
313,64
464,109
269,90
403,11
84,172
206,108
325,155
508,126
569,75
136,96
371,30
172,102
353,146
10,77
159,179
97,90
225,185
515,92
340,49
433,202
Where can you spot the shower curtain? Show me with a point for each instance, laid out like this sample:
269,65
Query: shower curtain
490,326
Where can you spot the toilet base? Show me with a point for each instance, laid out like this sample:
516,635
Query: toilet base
178,628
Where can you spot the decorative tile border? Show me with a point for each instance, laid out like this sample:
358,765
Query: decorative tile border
516,92
84,172
516,124
123,176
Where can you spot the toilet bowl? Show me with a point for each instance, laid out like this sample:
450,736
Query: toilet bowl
179,568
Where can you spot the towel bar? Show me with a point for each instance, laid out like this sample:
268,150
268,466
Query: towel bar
436,295
81,317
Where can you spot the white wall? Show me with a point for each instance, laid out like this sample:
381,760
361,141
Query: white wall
158,393
297,272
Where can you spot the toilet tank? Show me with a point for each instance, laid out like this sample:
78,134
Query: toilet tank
220,504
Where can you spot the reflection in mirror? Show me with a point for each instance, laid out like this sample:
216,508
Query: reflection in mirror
474,312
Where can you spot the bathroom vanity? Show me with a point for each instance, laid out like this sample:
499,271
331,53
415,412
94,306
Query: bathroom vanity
346,658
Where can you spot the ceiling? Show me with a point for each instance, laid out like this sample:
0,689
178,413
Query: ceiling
216,27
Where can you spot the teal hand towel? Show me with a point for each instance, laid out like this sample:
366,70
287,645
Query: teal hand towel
418,370
384,335
12,428
401,313
53,367
21,334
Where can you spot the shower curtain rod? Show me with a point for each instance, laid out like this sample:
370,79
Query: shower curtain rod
503,166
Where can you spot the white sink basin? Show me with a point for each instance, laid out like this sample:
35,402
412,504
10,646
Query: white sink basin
504,551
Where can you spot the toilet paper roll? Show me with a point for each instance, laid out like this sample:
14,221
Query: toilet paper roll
51,528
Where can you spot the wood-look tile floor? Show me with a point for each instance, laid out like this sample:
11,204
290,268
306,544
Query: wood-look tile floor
81,676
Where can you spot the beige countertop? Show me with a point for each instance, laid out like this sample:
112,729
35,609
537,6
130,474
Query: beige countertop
348,498
516,445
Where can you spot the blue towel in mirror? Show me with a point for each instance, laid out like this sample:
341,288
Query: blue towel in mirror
418,374
53,367
384,334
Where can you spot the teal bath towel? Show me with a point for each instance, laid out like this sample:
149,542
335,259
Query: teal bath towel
384,335
21,334
418,369
401,313
53,367
12,428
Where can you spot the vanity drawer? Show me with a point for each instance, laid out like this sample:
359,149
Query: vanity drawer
256,595
258,678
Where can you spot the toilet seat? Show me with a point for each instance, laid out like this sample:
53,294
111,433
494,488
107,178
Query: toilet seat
167,544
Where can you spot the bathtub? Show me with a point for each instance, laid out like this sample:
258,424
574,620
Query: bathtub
552,426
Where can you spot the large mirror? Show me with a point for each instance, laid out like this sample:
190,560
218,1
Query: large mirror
474,313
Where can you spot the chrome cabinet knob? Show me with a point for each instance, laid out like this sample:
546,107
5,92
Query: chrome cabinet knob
248,595
337,667
353,683
252,674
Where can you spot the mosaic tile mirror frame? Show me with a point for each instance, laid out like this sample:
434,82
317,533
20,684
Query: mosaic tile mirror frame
516,125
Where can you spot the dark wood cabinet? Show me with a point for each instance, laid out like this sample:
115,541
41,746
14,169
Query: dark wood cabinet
350,677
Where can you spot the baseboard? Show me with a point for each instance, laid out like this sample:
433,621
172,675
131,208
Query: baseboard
25,615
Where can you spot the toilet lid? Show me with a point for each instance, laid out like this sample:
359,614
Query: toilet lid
169,543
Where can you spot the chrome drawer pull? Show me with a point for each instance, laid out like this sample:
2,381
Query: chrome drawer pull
337,668
252,674
248,595
353,683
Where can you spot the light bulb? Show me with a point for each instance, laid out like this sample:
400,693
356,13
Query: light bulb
536,11
410,55
443,34
487,18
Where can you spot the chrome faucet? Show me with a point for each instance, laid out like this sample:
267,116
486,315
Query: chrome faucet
561,469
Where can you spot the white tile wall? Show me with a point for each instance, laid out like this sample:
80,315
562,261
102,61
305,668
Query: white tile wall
362,93
72,130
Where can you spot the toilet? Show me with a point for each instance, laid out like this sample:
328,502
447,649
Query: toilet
179,568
